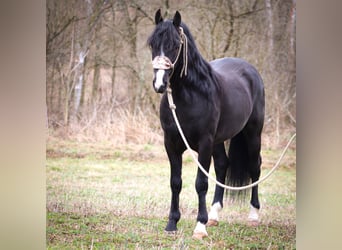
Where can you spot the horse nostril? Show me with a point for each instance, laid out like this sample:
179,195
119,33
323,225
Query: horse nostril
161,89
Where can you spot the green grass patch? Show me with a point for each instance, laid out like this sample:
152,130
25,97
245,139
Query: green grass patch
105,231
99,199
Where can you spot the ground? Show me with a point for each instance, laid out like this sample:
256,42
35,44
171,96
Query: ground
105,197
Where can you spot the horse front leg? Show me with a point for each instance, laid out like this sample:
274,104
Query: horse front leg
204,157
176,187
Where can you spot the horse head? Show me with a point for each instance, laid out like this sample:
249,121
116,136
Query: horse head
166,45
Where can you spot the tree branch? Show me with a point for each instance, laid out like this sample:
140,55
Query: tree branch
251,12
57,33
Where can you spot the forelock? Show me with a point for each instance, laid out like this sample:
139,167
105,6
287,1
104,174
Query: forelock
164,33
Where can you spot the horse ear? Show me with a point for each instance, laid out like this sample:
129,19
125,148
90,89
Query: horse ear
177,19
158,17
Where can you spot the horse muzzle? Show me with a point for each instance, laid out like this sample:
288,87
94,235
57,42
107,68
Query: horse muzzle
160,80
160,88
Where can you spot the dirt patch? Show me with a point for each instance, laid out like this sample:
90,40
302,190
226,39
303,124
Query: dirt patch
51,153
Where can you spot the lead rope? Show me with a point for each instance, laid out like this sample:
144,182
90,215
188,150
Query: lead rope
173,110
184,40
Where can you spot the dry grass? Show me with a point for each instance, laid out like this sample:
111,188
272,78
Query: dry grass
121,127
117,127
108,188
128,186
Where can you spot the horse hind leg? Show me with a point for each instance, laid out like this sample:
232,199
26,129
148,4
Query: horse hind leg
253,140
254,168
220,164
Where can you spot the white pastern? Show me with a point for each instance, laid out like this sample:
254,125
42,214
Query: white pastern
215,209
159,78
200,229
253,214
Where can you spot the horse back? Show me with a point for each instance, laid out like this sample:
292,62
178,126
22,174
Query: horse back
235,72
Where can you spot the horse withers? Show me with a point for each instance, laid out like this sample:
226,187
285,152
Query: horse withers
216,101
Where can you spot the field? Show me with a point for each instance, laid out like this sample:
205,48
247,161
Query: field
105,197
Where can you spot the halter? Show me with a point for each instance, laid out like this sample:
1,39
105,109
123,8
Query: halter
163,62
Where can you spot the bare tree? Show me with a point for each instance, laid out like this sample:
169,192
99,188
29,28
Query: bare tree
98,62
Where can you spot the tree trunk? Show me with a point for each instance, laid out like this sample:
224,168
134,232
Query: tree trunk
114,52
79,75
231,26
96,80
84,73
270,26
132,43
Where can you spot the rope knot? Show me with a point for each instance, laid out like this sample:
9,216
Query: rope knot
172,105
162,62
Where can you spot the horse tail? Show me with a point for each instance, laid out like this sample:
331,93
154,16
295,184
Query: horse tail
238,173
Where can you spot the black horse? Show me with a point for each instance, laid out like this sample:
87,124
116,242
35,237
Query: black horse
215,101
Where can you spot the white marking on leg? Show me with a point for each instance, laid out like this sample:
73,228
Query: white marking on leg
159,79
253,214
200,229
213,214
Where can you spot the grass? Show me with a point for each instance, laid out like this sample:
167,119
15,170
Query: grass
106,231
104,197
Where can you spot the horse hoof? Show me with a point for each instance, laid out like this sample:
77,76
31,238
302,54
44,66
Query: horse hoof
212,223
253,217
200,232
199,236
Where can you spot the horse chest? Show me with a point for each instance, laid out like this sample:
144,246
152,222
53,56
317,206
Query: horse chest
197,119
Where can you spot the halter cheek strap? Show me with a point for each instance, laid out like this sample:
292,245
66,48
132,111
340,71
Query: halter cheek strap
163,62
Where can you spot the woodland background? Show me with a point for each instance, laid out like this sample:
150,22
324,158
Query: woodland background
99,73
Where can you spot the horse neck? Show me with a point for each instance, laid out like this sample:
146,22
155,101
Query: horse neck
199,75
